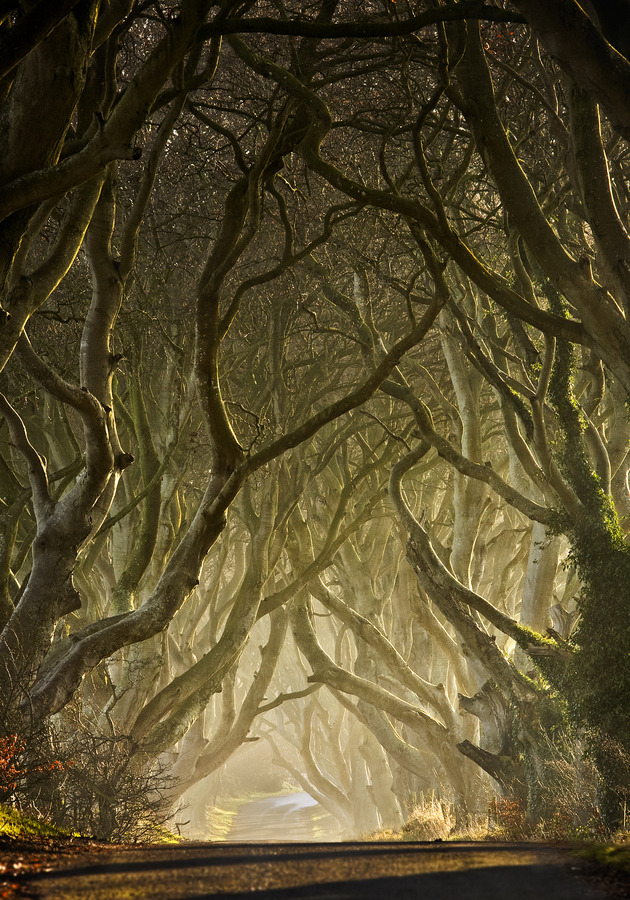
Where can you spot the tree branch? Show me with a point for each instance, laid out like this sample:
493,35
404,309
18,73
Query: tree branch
42,500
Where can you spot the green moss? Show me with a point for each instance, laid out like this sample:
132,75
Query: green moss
523,413
14,824
596,682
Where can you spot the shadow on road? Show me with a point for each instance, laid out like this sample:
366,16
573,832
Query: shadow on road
276,853
492,883
348,871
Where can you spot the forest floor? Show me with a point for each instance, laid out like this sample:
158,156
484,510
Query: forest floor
79,868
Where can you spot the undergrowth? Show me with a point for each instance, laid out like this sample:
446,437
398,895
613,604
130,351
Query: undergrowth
616,856
15,824
504,820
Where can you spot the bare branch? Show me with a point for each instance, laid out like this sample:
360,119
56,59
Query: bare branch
42,500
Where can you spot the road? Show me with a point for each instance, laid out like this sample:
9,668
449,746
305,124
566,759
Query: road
292,817
334,871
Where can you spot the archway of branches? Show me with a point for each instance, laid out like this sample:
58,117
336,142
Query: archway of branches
314,439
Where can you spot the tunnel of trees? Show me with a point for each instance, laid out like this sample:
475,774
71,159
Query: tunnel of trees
314,417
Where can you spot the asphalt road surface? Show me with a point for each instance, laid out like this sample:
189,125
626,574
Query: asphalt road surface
338,871
292,817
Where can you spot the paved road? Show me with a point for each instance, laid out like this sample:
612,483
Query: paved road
292,817
333,871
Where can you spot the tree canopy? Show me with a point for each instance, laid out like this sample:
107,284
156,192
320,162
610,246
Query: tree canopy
314,335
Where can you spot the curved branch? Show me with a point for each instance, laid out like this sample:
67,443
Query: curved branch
328,672
502,768
484,473
355,398
469,9
489,282
30,30
452,597
42,500
98,456
435,695
112,140
602,318
135,218
569,34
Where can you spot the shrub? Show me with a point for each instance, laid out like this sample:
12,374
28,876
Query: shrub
430,821
111,792
18,769
507,819
10,768
84,781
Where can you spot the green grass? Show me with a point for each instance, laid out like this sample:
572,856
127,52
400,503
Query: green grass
614,856
14,824
163,835
219,821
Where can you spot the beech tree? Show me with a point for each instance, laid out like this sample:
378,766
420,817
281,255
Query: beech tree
221,238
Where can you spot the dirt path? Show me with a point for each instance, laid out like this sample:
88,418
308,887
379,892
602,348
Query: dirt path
332,871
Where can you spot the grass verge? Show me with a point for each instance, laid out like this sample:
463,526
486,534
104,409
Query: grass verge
14,824
614,856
